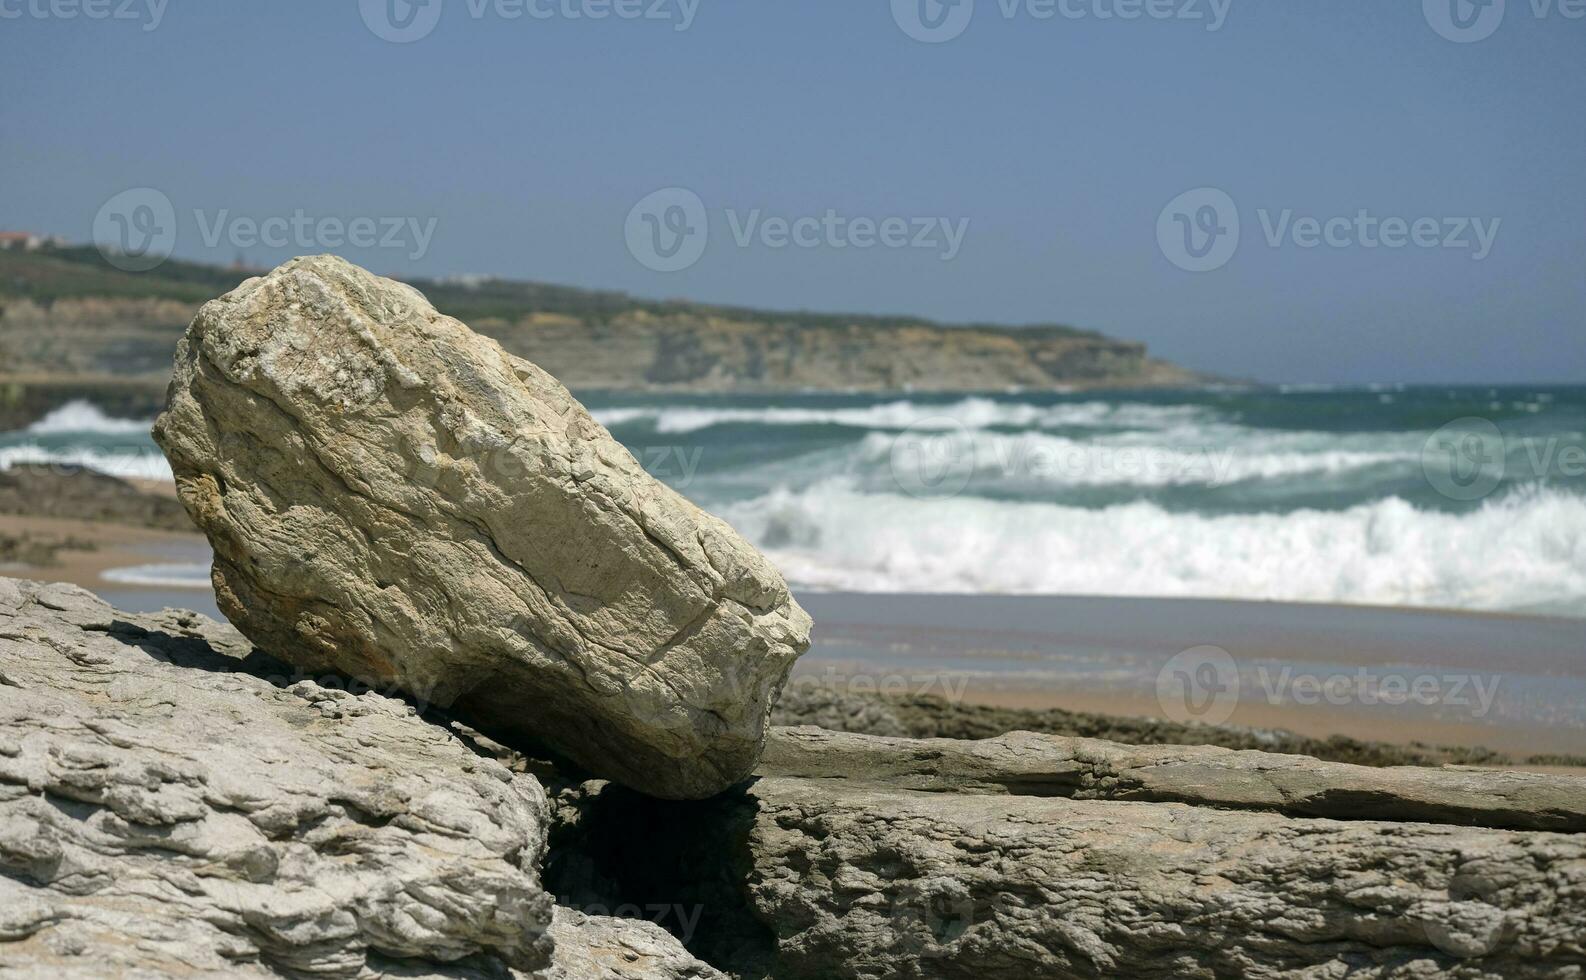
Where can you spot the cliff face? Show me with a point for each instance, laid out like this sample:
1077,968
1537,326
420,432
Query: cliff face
71,328
123,337
713,353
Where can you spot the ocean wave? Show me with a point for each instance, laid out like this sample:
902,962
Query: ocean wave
968,413
1029,462
1525,551
85,417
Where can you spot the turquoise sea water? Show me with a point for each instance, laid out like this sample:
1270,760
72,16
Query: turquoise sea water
1469,497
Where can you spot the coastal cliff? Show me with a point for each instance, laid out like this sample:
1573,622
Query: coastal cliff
72,327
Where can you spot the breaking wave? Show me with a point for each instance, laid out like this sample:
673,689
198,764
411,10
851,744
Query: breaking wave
84,417
970,413
1525,551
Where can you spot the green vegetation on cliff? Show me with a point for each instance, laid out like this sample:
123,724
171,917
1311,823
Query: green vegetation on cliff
80,271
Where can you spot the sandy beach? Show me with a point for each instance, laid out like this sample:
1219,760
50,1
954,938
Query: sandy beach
1511,683
115,547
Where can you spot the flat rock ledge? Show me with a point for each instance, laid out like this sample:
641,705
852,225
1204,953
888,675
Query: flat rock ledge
395,497
1028,764
1037,856
174,804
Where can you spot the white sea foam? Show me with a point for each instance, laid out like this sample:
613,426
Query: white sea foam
968,413
1028,463
1527,550
84,417
183,575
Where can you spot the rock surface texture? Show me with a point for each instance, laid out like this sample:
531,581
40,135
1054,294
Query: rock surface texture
393,496
1027,764
855,880
163,812
1039,856
833,706
591,947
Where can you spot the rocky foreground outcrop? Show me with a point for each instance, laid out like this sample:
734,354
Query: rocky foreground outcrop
172,804
393,496
1037,856
853,879
175,803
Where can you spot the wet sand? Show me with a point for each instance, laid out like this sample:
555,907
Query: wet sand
1515,684
119,546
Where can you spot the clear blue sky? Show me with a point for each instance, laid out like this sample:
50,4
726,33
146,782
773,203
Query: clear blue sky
1059,140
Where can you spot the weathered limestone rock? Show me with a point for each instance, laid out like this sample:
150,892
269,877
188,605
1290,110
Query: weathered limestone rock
857,880
393,496
163,812
598,947
1027,764
1039,856
808,701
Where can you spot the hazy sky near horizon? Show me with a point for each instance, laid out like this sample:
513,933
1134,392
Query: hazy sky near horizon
1031,159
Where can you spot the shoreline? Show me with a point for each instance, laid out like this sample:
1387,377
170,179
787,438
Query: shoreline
1098,655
